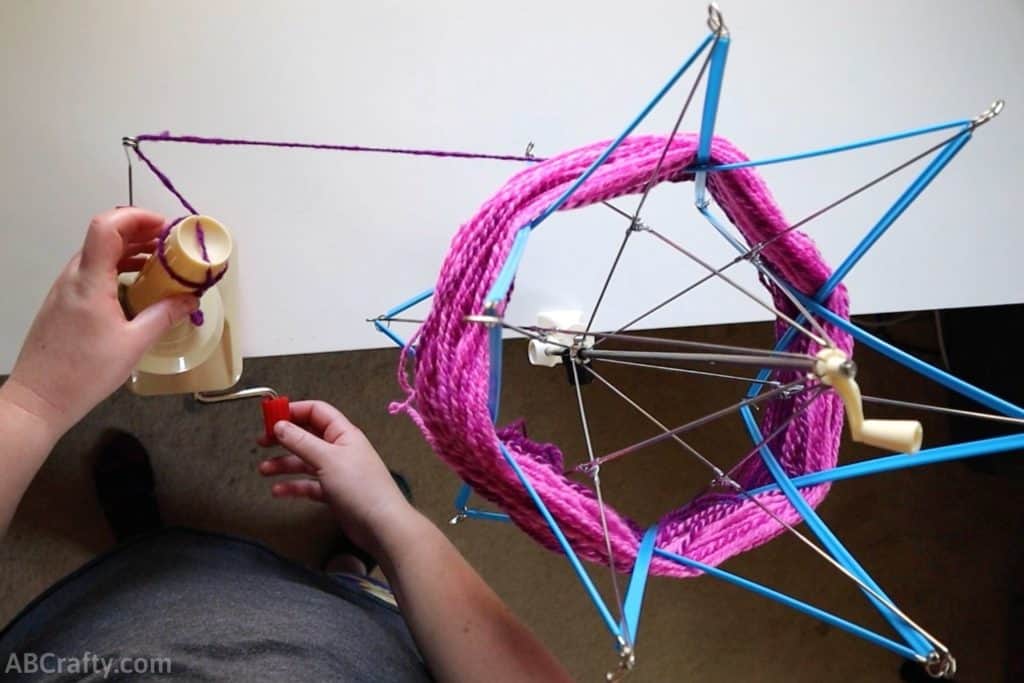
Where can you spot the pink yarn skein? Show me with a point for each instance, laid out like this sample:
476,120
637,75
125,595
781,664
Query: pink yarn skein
448,399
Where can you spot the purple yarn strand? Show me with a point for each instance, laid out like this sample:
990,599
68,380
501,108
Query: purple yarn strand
165,180
199,140
201,238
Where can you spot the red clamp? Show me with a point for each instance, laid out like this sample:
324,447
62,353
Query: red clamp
274,410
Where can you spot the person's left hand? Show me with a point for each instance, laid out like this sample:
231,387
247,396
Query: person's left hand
81,346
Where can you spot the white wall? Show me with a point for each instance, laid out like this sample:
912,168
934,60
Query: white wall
329,239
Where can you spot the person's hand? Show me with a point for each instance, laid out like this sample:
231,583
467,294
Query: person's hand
342,470
81,347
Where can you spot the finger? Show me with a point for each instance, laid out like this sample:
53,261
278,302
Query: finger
152,321
311,448
298,488
285,464
144,247
109,233
267,442
131,264
322,417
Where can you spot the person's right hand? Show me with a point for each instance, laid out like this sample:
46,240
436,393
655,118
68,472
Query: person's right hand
344,472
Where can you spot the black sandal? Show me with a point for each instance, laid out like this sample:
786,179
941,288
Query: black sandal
125,485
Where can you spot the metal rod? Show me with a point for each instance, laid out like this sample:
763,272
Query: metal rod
705,210
871,591
763,441
596,474
757,248
755,356
539,333
853,193
877,595
688,371
793,603
674,433
614,627
769,275
665,341
766,361
937,375
675,296
233,395
533,335
668,433
819,390
700,345
747,254
624,214
890,463
126,143
635,218
530,332
808,154
843,560
395,319
735,285
943,409
419,297
536,332
675,130
895,211
608,279
940,338
712,95
499,290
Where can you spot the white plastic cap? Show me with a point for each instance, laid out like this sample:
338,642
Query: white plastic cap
544,353
549,353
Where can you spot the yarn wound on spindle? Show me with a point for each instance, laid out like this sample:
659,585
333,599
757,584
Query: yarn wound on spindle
209,279
447,398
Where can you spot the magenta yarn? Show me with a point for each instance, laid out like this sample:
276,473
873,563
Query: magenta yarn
448,396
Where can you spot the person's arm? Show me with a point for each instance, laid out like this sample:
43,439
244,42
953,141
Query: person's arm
80,348
463,629
26,438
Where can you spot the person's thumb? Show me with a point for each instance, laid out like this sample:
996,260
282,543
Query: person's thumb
151,322
309,447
